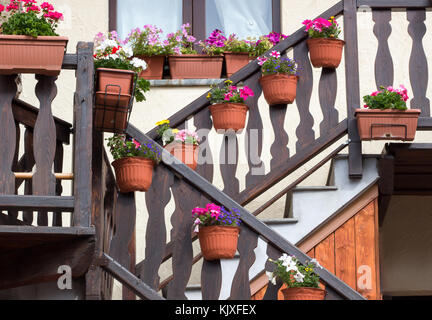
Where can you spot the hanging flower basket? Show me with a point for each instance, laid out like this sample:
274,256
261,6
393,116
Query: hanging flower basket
133,173
187,153
218,231
386,117
155,66
303,293
326,53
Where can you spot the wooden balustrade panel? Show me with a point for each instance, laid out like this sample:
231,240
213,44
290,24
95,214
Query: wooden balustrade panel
384,73
272,289
279,149
228,158
186,198
418,66
44,142
248,240
254,132
8,90
327,97
13,214
157,198
304,131
211,279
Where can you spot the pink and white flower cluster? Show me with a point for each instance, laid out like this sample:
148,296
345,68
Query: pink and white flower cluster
46,8
402,91
318,24
186,136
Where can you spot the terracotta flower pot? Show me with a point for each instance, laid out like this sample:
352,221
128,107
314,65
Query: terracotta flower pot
325,52
155,66
218,242
303,293
115,80
279,88
133,173
187,153
234,61
229,116
195,66
25,54
375,124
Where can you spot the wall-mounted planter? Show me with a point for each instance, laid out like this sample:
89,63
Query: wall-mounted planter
229,116
133,173
195,66
114,97
187,153
375,124
234,61
279,88
325,52
155,66
303,293
25,54
218,242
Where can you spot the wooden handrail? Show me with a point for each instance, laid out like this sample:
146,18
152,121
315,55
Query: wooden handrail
58,176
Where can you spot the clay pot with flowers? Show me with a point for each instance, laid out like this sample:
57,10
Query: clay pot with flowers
300,282
325,49
182,144
385,116
185,62
147,45
218,230
117,82
28,39
228,107
279,78
133,163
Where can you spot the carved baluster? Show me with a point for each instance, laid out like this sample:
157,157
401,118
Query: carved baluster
418,66
327,97
29,162
44,142
228,163
383,61
58,167
304,131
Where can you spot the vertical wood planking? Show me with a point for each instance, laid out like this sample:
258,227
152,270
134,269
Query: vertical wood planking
58,167
345,253
83,125
44,142
352,80
366,252
325,253
327,97
384,73
304,131
157,198
240,287
13,214
8,90
186,198
418,65
254,132
29,162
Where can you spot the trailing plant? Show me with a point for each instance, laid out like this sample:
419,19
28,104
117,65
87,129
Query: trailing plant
27,18
213,215
147,42
275,63
214,44
111,53
293,273
181,42
322,28
229,93
170,135
120,147
387,98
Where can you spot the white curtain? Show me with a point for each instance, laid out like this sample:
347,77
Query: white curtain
245,18
165,14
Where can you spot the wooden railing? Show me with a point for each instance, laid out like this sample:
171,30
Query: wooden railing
44,136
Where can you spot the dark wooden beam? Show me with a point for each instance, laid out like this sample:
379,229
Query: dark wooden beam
70,61
424,124
385,185
40,263
128,279
387,4
37,203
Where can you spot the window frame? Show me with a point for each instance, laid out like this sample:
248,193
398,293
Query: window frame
194,12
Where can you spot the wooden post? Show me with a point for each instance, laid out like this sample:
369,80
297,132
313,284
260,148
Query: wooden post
352,87
83,124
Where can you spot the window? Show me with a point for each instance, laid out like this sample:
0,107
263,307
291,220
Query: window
242,17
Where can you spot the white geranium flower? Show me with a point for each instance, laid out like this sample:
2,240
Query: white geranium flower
138,63
127,50
271,277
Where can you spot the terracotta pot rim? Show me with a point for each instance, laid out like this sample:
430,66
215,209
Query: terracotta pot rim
279,75
134,159
24,37
152,56
238,53
391,111
210,229
198,55
325,40
309,288
233,104
115,70
183,144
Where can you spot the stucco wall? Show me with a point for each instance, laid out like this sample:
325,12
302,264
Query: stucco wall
84,19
